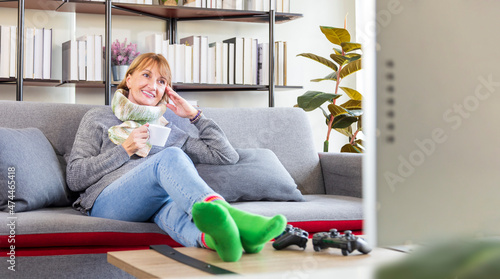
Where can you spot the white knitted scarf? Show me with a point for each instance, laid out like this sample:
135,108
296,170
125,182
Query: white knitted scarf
134,116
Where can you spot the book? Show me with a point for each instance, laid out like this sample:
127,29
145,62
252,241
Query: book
280,63
164,48
225,67
255,60
188,64
211,65
233,4
154,43
238,58
47,54
13,51
29,43
179,62
284,73
171,61
263,66
218,60
4,51
82,67
69,61
98,58
89,55
203,59
191,3
230,64
38,54
247,60
194,42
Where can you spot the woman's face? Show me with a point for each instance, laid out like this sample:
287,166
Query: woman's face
146,86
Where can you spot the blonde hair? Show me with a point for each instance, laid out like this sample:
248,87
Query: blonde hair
144,61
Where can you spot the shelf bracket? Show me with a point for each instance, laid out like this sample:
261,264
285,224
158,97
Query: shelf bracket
107,59
20,51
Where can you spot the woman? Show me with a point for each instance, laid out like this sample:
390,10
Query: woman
120,176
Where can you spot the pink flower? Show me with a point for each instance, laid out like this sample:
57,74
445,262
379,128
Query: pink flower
121,53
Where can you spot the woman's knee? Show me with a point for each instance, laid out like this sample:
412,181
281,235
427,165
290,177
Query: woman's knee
174,154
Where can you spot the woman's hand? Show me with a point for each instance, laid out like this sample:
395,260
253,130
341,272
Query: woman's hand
136,140
180,106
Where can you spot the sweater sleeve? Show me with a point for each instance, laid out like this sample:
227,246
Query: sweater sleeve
212,146
86,164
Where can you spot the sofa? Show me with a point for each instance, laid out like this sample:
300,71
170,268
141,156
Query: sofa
326,187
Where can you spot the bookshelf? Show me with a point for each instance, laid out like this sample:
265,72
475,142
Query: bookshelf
171,15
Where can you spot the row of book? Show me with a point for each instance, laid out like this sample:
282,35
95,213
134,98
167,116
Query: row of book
237,60
281,6
82,59
37,52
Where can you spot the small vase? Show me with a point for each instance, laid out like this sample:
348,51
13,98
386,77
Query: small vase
119,72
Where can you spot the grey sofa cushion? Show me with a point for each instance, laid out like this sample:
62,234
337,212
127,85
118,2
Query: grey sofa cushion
35,178
285,131
258,175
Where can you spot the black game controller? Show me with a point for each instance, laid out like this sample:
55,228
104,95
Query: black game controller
291,236
347,242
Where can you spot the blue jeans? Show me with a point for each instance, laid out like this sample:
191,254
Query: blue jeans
164,189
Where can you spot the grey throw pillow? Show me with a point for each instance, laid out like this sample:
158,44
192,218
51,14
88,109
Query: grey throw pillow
258,175
30,173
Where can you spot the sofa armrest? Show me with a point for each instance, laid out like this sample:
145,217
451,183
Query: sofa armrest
342,173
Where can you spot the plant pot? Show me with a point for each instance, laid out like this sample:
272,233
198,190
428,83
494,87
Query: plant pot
170,3
119,72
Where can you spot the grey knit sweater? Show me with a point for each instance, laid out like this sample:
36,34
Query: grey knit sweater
95,162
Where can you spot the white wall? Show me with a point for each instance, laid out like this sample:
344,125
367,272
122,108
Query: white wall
302,35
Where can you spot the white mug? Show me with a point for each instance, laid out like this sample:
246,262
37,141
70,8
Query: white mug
158,135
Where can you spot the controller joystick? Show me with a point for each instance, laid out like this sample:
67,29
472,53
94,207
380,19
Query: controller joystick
291,236
347,242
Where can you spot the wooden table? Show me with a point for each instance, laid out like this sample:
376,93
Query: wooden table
292,262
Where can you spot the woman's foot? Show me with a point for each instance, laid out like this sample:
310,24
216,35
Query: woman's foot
255,230
221,232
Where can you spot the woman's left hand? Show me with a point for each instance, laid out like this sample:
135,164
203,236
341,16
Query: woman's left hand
180,106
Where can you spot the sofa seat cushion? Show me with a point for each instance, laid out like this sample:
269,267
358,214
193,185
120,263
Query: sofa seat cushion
317,214
53,228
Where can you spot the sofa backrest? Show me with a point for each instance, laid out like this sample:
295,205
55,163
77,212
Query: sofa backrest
286,131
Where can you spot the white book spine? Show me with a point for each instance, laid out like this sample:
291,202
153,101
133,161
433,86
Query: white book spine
196,59
164,48
28,52
188,64
264,64
47,54
13,51
247,61
230,63
280,64
225,66
171,61
38,54
203,59
89,57
179,62
98,63
4,51
82,67
255,60
154,43
211,64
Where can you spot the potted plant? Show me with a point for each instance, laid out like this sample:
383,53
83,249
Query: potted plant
121,57
344,61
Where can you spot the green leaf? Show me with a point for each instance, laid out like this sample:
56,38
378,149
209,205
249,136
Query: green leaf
343,121
332,76
353,94
320,59
350,68
337,51
345,131
337,110
348,46
352,105
349,148
313,99
341,60
353,56
336,35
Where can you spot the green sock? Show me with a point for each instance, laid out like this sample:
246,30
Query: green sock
221,232
255,230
